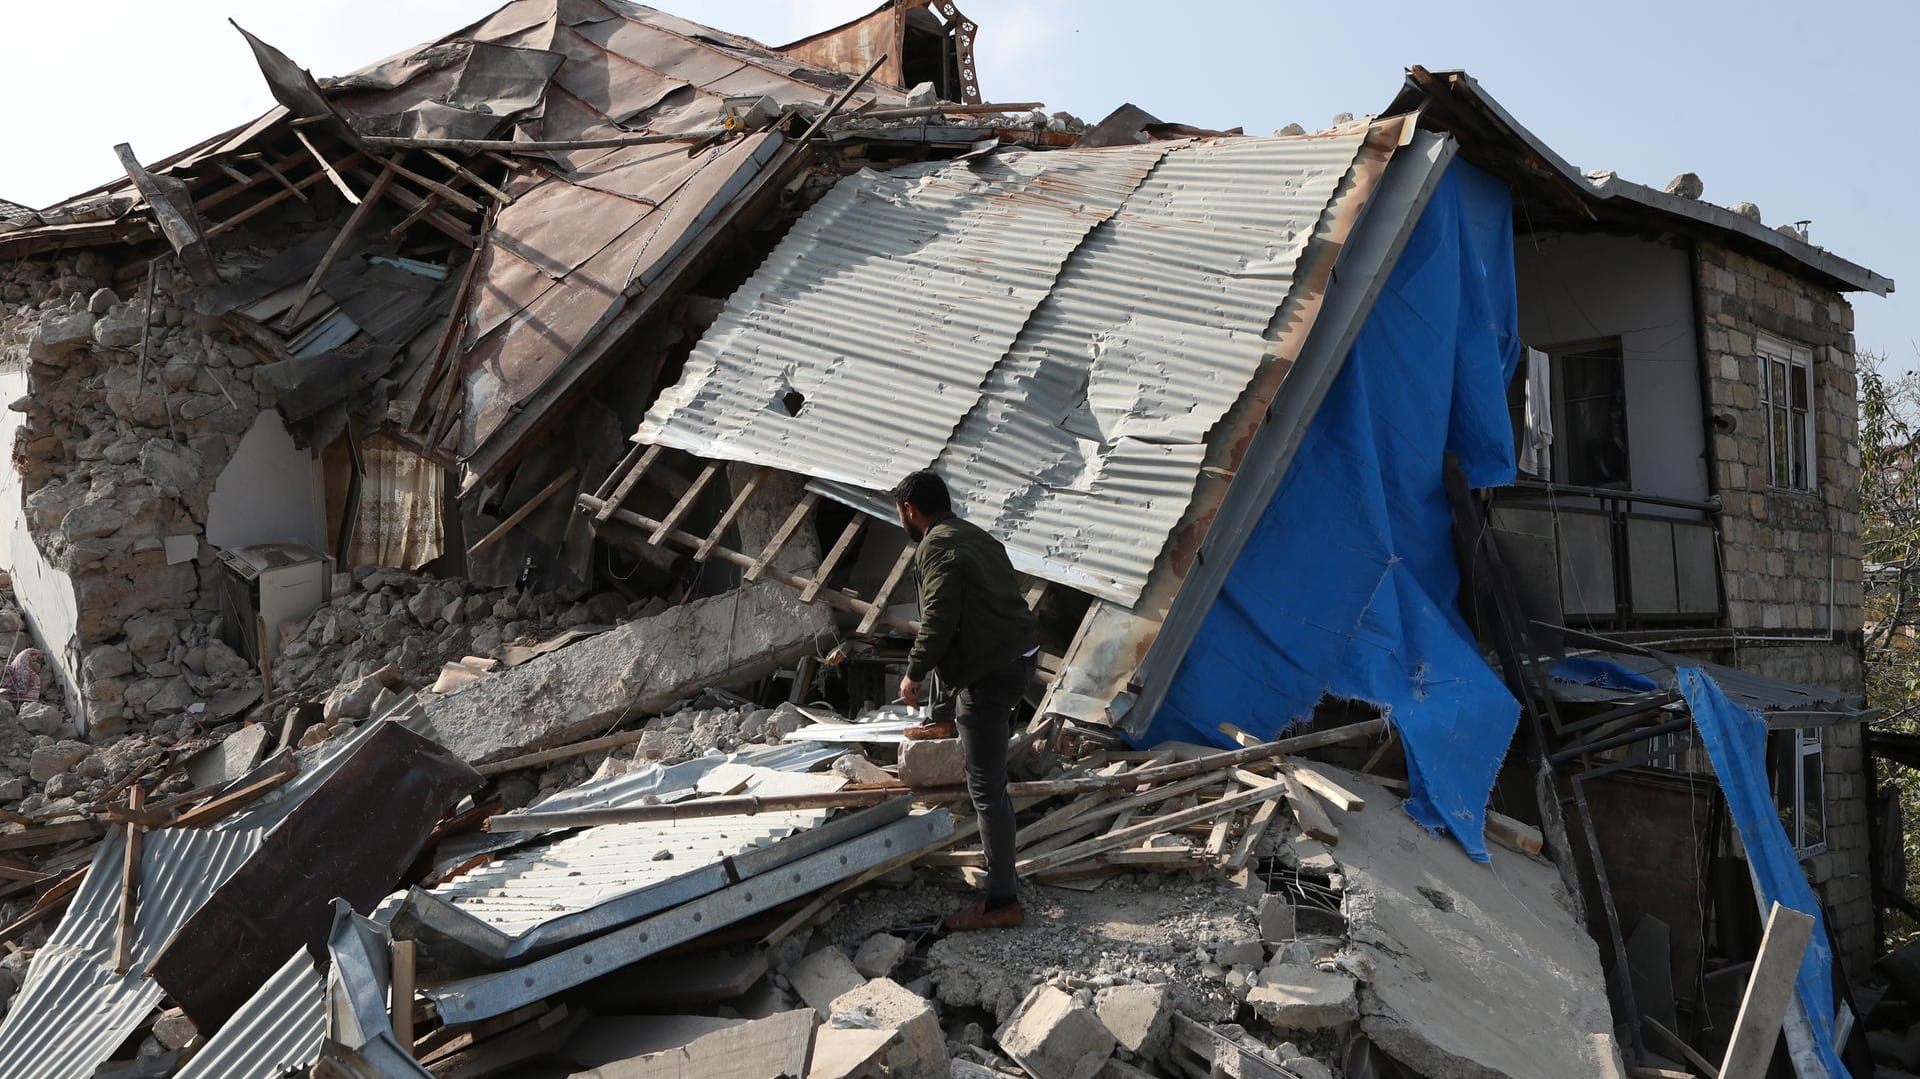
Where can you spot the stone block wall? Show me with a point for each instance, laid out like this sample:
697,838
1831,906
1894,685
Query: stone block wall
1792,558
133,406
1779,545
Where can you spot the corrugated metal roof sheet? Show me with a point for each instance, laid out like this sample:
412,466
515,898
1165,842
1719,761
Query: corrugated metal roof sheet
73,1011
278,1031
526,888
1079,440
1756,692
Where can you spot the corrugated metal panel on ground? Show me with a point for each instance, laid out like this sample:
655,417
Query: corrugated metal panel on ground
526,888
1080,438
278,1031
73,1011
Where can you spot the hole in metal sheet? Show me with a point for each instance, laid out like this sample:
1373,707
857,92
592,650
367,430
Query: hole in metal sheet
643,938
587,959
528,982
696,915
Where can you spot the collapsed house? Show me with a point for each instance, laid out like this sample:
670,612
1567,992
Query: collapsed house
558,369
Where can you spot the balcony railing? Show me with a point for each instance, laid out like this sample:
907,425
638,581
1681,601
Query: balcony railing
1614,558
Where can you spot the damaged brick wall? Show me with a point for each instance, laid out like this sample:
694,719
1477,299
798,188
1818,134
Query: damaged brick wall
1792,559
114,454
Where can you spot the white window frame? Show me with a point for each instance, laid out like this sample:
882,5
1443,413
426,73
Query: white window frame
1807,742
1776,363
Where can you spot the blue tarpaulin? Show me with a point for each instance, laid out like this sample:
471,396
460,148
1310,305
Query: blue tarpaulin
1348,585
1736,741
1587,671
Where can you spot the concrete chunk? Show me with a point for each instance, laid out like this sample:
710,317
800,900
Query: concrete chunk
848,1052
884,1004
879,954
1140,1017
1304,998
1276,919
935,762
1053,1037
823,976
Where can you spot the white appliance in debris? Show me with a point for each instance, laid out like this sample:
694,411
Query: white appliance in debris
266,585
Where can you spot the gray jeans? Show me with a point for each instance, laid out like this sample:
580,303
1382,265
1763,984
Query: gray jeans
985,719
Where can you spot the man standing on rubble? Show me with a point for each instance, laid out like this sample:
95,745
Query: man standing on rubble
977,633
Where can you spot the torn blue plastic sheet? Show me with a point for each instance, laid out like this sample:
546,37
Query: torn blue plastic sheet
1587,671
1348,586
1736,741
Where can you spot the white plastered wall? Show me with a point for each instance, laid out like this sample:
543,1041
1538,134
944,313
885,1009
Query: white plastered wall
45,594
270,492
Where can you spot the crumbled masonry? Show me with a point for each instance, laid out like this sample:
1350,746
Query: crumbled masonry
452,621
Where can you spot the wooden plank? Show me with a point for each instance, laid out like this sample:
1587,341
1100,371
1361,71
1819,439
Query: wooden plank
733,509
327,167
469,175
685,506
470,205
561,753
1250,835
626,485
51,901
1125,836
504,1052
449,1039
227,804
837,552
1217,836
1514,835
267,202
1317,782
1308,813
354,221
539,499
48,835
787,528
129,886
1769,993
880,598
1149,797
1062,816
400,995
421,209
1674,1041
1238,735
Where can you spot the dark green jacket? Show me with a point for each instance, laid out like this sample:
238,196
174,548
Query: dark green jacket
972,615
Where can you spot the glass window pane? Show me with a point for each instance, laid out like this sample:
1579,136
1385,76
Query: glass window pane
1800,390
1799,429
1782,450
1777,383
1813,799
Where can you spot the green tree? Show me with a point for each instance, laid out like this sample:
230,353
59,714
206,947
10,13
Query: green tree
1890,525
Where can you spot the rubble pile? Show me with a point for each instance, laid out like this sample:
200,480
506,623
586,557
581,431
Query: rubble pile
411,625
130,407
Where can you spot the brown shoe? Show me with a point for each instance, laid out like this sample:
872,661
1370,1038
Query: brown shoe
935,728
979,917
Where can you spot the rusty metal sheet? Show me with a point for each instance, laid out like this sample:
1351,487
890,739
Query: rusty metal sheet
523,365
352,838
850,47
615,86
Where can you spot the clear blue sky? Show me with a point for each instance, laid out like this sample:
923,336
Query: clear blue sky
1792,106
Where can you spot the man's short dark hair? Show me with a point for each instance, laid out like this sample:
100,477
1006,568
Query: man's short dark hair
924,491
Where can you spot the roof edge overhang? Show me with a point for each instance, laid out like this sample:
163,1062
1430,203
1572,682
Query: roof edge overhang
1453,101
1359,275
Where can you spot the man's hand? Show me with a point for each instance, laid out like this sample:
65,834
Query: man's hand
910,691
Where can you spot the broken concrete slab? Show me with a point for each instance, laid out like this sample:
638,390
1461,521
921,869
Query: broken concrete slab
884,1004
823,976
879,954
934,762
776,1045
1053,1036
633,669
228,760
1277,924
1140,1017
1295,997
849,1052
1478,969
